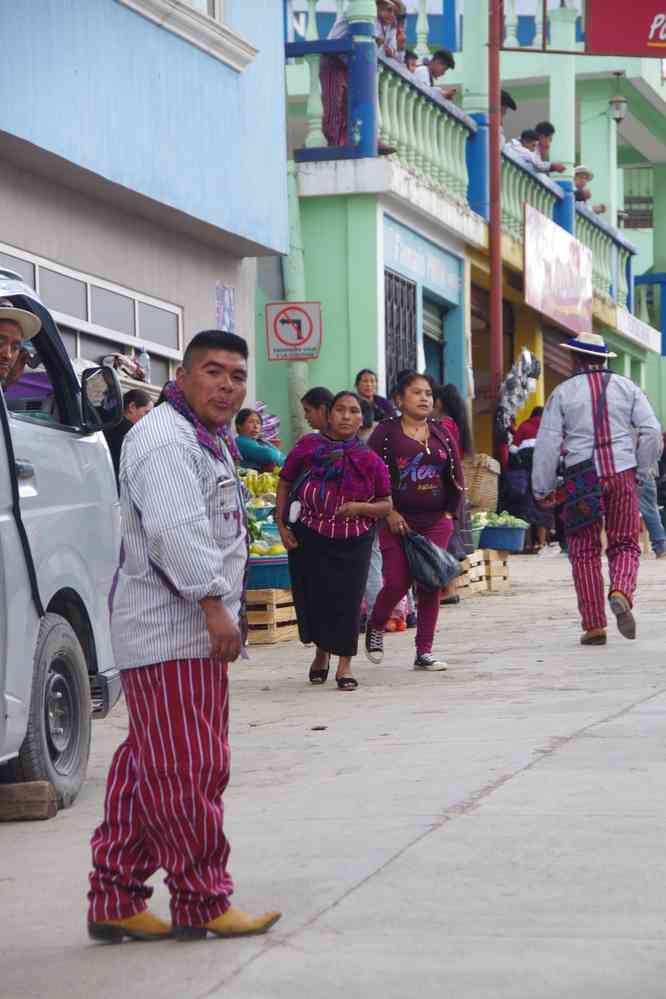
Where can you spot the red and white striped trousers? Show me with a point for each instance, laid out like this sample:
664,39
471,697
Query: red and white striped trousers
163,805
622,523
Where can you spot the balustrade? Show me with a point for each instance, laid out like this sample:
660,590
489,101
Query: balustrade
610,254
520,185
428,133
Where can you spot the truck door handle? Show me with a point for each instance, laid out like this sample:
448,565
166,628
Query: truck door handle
24,469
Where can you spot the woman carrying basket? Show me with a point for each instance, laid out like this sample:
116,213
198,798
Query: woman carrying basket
427,487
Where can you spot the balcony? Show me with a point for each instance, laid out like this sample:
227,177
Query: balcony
439,150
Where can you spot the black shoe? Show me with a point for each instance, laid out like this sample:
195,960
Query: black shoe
411,619
374,645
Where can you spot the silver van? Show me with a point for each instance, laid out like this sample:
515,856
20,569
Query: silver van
59,549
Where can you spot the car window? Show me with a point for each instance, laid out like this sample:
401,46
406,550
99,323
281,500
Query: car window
36,394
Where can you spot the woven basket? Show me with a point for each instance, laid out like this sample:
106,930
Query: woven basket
482,481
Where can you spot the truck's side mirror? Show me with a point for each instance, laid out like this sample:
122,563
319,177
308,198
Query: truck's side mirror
101,398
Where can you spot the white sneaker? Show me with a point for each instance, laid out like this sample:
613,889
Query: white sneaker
428,662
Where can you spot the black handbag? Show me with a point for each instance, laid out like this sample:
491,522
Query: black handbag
581,493
429,566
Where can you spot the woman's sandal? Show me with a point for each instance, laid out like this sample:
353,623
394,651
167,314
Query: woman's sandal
346,682
319,676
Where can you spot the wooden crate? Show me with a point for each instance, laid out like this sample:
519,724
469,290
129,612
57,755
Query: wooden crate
271,617
471,581
496,566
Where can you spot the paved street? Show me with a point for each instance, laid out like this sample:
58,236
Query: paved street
495,831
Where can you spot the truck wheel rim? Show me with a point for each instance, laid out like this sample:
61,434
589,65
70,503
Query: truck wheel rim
62,716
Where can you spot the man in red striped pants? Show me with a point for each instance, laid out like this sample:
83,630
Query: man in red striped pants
175,627
603,415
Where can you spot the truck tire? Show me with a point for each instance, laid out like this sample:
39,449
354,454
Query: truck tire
57,743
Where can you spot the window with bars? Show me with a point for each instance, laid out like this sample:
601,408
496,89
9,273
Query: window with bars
400,308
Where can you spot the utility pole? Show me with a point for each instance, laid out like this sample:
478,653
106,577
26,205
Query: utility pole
495,219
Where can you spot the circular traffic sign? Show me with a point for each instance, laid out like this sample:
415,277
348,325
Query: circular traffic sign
293,326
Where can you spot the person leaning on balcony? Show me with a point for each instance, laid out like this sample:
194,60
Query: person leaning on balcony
411,62
526,145
597,414
432,71
333,72
582,177
507,104
541,157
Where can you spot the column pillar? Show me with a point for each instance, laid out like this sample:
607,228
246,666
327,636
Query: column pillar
562,88
362,106
659,210
598,151
293,273
475,102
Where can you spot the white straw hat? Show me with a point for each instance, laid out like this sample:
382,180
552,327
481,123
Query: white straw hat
589,343
585,170
27,322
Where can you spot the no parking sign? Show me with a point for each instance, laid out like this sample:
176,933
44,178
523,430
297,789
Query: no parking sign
293,331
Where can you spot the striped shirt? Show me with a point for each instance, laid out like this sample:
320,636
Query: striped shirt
628,432
184,539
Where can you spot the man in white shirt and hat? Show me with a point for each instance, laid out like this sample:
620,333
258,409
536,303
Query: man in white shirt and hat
16,327
598,421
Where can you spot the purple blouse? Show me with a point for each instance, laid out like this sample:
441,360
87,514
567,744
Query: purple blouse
339,472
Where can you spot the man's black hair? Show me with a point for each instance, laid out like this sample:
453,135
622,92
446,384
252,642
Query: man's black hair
410,55
445,56
537,411
529,135
136,396
318,397
214,340
508,101
544,128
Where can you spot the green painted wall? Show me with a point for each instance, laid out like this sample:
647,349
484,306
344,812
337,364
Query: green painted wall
340,248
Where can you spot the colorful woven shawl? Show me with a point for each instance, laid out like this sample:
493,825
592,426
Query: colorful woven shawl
206,438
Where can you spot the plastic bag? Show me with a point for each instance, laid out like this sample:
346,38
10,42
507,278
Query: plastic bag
429,566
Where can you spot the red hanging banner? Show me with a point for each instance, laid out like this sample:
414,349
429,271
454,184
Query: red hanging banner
615,27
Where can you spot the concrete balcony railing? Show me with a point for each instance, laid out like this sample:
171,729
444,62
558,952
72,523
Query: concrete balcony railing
428,132
611,254
522,185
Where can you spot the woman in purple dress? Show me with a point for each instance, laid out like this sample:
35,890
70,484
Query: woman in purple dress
339,488
428,488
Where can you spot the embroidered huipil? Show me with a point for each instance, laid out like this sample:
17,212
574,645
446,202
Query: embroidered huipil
338,473
629,434
184,538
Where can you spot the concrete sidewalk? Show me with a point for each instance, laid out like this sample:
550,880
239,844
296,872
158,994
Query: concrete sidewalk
493,831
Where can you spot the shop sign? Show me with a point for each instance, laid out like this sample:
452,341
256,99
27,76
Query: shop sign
417,258
558,273
293,331
615,27
638,331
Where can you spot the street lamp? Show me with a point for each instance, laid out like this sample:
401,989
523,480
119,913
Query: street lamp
617,108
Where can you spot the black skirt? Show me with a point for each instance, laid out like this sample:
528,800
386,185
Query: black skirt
328,579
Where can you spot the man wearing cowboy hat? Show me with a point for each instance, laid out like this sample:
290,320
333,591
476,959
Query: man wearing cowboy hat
16,326
582,177
601,415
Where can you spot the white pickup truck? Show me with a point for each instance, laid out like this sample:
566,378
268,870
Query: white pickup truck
59,548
